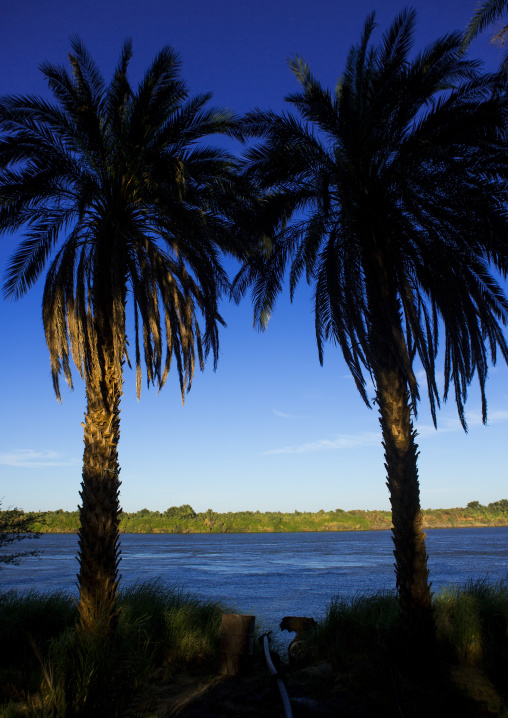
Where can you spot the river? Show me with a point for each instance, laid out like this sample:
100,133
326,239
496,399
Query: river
270,575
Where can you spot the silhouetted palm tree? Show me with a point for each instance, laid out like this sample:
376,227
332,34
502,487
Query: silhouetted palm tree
118,183
387,194
486,14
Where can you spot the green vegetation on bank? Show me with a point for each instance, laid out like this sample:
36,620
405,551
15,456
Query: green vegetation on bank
183,519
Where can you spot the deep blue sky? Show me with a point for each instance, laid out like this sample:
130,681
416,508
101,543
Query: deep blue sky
271,429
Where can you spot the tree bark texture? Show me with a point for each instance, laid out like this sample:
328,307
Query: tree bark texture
392,370
99,550
401,453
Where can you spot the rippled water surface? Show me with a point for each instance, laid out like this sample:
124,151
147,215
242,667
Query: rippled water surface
271,575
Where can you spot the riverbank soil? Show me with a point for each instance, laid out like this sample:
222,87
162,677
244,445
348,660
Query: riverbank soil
252,694
364,689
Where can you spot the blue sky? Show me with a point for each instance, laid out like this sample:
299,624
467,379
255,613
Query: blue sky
270,429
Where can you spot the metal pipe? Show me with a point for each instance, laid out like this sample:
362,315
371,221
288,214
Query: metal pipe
280,683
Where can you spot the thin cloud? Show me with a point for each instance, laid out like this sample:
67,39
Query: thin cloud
344,441
493,417
29,459
472,419
354,441
288,416
443,427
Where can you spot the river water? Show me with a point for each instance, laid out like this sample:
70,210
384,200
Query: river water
270,575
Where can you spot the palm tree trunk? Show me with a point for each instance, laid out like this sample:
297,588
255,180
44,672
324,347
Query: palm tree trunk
401,452
99,551
392,370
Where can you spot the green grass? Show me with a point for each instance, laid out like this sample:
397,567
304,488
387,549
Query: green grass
182,630
25,620
48,669
466,676
54,670
354,625
472,625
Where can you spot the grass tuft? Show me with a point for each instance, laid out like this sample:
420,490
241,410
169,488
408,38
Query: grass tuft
182,629
472,627
360,638
56,670
355,625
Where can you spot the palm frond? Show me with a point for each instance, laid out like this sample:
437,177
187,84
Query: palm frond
486,14
115,197
390,196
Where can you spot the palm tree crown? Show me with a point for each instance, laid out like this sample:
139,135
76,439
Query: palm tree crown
397,172
389,194
116,192
121,176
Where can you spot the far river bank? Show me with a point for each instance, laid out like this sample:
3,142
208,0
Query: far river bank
184,520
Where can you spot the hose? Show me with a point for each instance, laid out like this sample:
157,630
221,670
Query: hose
265,638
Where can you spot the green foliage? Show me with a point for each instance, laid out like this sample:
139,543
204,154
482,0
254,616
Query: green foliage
471,623
361,638
182,629
17,526
27,619
62,671
86,674
182,512
52,670
501,505
183,519
58,521
355,625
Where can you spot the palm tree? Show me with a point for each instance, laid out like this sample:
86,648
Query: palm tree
119,197
387,194
486,14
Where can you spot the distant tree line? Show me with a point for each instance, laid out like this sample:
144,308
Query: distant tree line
183,519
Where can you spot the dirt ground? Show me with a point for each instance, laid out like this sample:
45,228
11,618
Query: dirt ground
254,693
320,691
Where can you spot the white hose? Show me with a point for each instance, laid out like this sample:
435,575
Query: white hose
280,683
